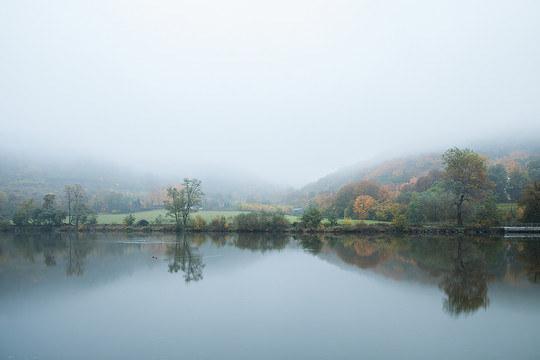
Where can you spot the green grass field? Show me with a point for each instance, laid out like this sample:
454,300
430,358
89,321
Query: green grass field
507,206
153,214
207,215
367,222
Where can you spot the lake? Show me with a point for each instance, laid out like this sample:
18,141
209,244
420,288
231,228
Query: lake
200,296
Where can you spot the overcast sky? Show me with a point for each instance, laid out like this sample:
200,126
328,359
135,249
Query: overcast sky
288,90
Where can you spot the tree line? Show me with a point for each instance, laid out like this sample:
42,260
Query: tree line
467,190
72,210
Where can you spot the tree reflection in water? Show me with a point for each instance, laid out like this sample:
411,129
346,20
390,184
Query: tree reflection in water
530,257
465,285
186,259
312,244
260,242
78,251
364,252
49,258
463,276
462,267
30,245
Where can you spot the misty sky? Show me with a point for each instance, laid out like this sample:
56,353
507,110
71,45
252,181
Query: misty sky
287,90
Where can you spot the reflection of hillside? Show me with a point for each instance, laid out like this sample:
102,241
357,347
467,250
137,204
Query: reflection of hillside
437,256
464,271
462,267
360,253
400,270
433,272
388,256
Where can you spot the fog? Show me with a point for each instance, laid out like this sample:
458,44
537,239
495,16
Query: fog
288,91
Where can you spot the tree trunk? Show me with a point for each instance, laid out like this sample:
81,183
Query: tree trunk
177,218
459,203
185,218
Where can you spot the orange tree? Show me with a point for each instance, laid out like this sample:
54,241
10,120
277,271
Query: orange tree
362,206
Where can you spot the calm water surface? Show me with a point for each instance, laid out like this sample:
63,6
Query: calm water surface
268,297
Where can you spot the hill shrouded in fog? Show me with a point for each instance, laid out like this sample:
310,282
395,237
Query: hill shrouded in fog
288,91
401,170
26,177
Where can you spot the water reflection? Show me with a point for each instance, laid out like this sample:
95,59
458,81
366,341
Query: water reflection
78,252
465,285
364,252
312,244
185,258
30,246
530,257
260,242
461,267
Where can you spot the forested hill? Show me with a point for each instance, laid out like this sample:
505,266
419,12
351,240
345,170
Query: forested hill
402,170
396,171
27,177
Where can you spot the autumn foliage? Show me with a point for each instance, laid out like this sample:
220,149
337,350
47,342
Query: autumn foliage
265,208
363,205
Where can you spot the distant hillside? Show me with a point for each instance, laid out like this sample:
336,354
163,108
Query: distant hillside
402,170
28,177
396,171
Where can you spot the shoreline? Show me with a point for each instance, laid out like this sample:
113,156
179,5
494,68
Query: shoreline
370,229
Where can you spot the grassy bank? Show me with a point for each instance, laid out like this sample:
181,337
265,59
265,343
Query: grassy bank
153,214
207,215
360,228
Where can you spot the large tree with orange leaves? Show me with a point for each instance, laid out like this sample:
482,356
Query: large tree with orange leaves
362,206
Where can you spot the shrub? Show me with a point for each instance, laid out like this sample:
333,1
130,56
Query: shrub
247,222
199,223
280,222
311,218
400,222
129,220
219,223
143,223
91,219
5,225
332,219
261,222
348,224
488,213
